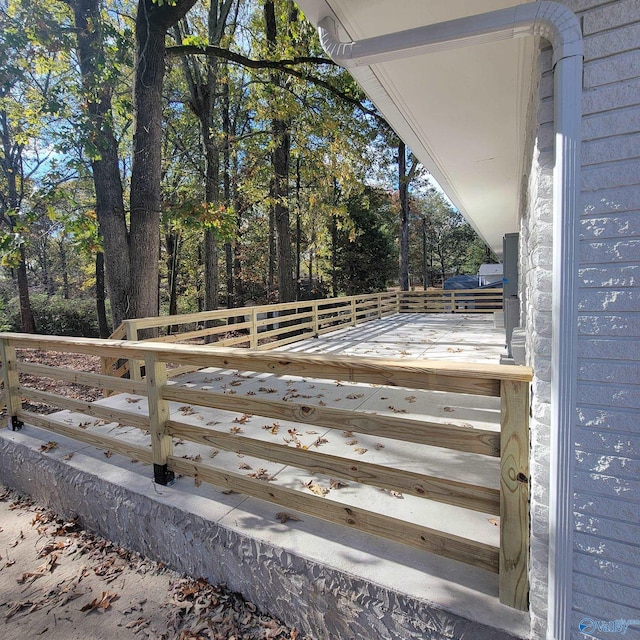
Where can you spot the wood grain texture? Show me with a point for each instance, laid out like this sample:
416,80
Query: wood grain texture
445,544
460,494
83,377
128,418
108,443
10,378
514,495
161,441
383,426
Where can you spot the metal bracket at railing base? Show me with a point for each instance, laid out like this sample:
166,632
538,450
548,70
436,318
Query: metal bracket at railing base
162,475
16,424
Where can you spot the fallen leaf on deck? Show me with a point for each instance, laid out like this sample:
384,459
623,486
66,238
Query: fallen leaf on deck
337,484
133,400
244,466
320,441
267,390
272,428
213,453
314,487
379,446
52,444
347,434
283,516
261,474
351,442
243,419
396,410
68,456
360,450
355,396
235,430
448,409
494,521
186,410
410,398
108,454
397,494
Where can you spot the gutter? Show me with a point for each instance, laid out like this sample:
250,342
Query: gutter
559,26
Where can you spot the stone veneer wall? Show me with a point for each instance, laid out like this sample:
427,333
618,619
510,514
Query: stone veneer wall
535,283
607,504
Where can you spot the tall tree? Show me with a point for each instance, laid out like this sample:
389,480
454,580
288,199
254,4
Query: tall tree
280,160
153,20
404,179
203,83
101,145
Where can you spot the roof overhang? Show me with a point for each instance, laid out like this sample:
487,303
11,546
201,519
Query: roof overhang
462,111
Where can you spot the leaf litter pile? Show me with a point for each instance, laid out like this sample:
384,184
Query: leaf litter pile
57,580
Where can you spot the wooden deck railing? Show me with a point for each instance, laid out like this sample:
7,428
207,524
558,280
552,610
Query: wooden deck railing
509,383
451,301
271,326
255,327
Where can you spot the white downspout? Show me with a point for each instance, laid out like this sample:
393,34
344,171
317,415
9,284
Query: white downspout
559,25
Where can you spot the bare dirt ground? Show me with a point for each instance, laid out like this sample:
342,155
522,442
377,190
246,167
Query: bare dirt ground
62,583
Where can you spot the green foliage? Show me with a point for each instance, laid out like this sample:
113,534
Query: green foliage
365,247
57,316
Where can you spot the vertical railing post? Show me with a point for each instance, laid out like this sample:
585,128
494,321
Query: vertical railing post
514,494
11,383
253,329
379,301
161,443
316,322
134,364
354,317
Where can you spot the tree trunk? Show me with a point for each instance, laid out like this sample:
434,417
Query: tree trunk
101,309
66,290
172,243
152,22
104,153
403,190
280,162
26,313
298,225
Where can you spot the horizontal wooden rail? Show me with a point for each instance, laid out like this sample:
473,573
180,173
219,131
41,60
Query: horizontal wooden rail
444,544
155,393
451,301
461,494
435,434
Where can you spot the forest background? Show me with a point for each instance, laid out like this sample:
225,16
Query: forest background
170,156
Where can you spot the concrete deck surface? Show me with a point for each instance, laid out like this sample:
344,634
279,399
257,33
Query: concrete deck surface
409,592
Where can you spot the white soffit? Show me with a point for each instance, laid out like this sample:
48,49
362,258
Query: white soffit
462,112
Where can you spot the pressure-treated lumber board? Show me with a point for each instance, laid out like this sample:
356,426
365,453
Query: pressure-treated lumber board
117,445
10,378
469,496
514,495
279,343
186,318
282,319
156,377
110,414
473,378
422,432
83,377
306,327
445,544
468,378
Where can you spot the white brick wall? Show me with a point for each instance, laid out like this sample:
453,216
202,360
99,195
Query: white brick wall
607,483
